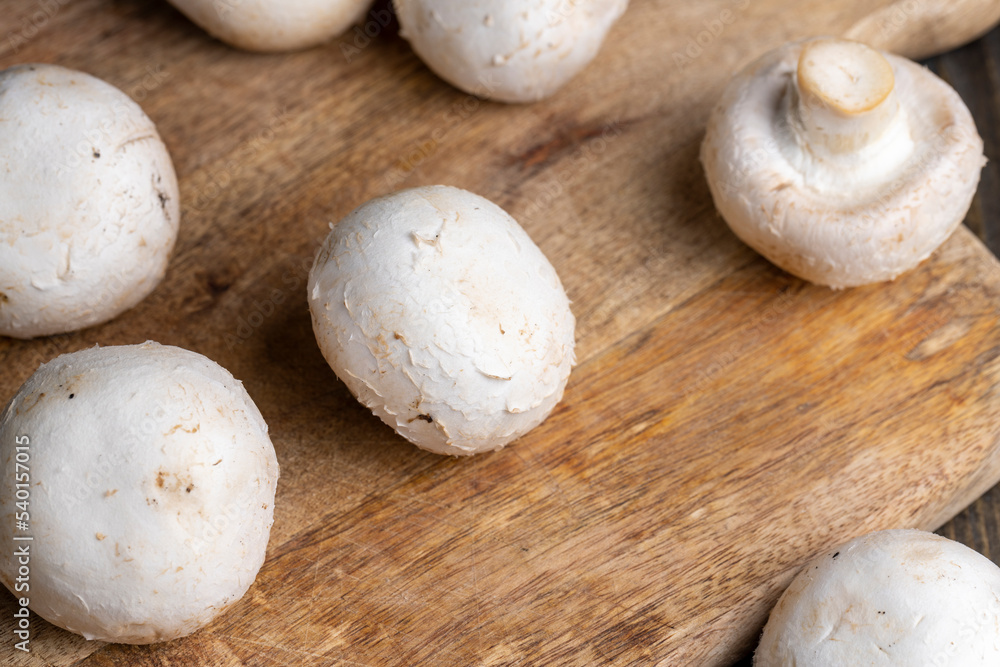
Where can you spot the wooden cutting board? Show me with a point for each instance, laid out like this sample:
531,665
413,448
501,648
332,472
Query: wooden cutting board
725,421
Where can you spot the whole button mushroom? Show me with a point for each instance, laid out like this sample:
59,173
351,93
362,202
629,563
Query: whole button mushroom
271,26
145,478
442,316
89,206
509,51
895,597
841,164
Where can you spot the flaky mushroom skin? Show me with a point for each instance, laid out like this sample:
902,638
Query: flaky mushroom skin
89,206
895,597
518,51
859,221
442,316
151,491
271,26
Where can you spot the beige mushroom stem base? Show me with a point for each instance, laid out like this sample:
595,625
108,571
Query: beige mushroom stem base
845,93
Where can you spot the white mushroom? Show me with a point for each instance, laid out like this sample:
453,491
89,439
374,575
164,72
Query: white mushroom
442,316
88,202
148,480
895,597
841,164
273,25
509,51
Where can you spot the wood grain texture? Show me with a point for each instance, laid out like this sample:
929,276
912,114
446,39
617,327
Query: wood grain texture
725,421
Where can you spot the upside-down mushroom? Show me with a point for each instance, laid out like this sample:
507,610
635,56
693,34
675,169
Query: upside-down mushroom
841,164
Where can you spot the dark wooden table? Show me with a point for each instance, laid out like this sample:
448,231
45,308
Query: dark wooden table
974,71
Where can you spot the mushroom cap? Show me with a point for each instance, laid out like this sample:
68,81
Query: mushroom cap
151,494
442,316
89,206
894,597
864,218
272,26
508,51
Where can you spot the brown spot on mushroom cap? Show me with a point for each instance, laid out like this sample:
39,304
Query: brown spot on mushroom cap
181,427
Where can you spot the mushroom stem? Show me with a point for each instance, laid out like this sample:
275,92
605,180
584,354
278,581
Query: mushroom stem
846,98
